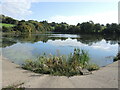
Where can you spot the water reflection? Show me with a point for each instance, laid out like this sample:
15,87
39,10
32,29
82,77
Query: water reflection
9,39
102,48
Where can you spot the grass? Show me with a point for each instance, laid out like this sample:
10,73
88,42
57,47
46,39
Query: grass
6,25
14,87
60,65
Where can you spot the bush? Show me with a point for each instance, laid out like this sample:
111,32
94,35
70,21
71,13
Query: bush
7,29
117,57
92,67
61,65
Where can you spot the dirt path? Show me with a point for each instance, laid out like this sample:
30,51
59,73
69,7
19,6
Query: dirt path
106,77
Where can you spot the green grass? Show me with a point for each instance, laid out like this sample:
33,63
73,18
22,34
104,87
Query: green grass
6,25
60,65
14,87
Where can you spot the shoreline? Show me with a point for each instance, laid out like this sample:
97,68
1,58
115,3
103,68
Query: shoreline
105,77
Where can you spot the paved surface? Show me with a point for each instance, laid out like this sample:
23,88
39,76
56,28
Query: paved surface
106,77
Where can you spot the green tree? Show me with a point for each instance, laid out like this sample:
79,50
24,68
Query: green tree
87,27
97,28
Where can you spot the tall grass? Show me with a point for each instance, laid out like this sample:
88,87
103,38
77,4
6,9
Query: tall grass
60,65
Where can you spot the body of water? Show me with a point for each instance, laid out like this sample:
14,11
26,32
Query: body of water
18,48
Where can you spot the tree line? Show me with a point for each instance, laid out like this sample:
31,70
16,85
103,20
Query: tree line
32,26
23,26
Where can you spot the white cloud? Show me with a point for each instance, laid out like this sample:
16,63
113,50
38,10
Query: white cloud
103,18
19,1
21,8
102,45
67,42
16,8
61,0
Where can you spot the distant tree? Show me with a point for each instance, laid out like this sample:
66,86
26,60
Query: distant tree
112,28
8,20
87,27
7,29
97,28
32,26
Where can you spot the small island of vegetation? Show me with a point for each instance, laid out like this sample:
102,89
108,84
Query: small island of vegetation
75,64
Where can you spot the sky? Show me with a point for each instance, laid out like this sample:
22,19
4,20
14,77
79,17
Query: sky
71,12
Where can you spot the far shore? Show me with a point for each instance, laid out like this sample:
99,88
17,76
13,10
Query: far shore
12,74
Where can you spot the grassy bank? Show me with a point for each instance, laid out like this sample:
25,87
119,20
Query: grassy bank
6,25
74,64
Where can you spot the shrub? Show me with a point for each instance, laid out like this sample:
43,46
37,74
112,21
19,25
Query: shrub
7,29
92,67
117,57
60,65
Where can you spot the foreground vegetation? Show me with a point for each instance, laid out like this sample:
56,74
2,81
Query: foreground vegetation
32,26
14,87
74,64
117,57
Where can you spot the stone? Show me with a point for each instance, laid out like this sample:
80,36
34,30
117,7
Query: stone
85,72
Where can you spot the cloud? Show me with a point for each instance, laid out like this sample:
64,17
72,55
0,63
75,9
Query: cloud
102,45
68,42
3,1
103,18
16,8
119,12
61,0
21,8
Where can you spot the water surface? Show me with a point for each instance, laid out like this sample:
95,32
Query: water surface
18,48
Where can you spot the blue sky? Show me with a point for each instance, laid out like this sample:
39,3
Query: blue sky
69,12
46,9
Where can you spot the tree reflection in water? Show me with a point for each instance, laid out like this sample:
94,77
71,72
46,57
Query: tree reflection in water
10,39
